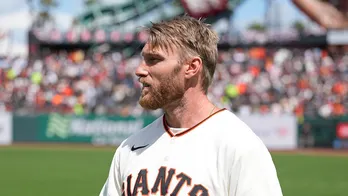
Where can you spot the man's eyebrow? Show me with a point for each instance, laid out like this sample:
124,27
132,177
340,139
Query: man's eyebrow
151,54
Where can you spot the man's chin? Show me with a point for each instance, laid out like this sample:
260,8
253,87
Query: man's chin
148,105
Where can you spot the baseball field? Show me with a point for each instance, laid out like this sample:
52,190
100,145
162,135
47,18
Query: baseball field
56,170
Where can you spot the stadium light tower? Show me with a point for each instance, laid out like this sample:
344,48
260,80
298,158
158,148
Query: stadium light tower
268,15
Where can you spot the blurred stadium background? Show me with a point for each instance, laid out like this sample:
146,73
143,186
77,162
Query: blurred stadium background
66,105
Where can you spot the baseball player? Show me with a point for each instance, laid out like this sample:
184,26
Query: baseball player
194,148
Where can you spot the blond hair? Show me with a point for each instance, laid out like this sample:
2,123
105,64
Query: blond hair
192,37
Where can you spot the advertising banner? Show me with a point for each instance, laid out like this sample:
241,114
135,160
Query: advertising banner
342,130
98,130
278,132
339,144
5,128
337,37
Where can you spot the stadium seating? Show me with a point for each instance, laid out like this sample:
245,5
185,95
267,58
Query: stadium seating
256,80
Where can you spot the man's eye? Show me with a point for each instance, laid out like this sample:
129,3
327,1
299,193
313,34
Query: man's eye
151,60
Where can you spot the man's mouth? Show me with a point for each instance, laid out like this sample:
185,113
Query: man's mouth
145,85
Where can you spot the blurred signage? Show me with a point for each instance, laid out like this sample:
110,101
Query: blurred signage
86,36
72,36
342,130
337,37
5,128
340,144
56,35
97,130
100,36
115,36
278,132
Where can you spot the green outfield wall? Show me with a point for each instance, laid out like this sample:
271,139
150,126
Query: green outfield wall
98,130
112,130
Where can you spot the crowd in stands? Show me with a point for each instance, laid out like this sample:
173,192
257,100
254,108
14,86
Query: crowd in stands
255,80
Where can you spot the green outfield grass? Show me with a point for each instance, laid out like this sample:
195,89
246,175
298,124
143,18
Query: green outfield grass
312,175
28,171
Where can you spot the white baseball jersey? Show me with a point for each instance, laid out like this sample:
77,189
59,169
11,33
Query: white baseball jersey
220,156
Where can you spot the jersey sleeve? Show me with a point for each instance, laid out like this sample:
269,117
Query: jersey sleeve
253,173
112,186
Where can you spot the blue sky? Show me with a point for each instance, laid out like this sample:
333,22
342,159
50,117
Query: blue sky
254,10
14,16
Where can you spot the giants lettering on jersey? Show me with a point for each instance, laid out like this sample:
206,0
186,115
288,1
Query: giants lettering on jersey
161,185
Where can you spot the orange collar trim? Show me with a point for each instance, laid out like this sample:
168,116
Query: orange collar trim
166,127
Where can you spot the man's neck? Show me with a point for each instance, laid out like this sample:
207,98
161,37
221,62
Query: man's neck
189,111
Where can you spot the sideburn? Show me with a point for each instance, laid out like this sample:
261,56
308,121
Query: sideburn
170,90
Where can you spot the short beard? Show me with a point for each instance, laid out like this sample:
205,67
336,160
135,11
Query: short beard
165,93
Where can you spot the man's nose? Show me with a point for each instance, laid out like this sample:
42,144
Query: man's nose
141,70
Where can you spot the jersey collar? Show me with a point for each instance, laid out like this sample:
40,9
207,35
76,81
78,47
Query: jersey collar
171,134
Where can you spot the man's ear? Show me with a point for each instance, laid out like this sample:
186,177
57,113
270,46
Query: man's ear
193,67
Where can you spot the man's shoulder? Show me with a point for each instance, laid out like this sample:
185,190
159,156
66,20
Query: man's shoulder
147,133
230,127
233,133
227,120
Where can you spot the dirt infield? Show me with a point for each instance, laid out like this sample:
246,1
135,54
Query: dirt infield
313,151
